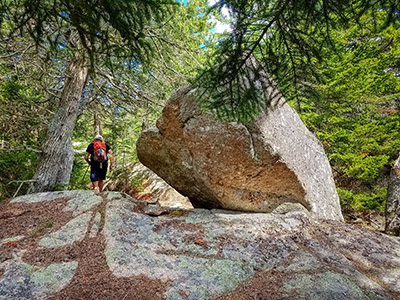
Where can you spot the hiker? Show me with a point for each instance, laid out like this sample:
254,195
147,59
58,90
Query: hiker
99,153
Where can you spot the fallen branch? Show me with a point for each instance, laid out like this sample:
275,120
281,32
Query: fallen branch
22,182
21,148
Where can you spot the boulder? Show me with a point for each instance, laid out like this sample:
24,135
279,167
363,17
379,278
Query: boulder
155,189
254,167
87,245
392,209
142,183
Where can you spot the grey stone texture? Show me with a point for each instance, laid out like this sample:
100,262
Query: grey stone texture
26,282
392,209
46,196
204,254
157,189
254,167
74,231
86,201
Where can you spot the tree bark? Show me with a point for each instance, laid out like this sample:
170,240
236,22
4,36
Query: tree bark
97,122
56,161
392,209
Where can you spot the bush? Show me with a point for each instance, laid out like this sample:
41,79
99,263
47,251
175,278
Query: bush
360,201
16,165
80,175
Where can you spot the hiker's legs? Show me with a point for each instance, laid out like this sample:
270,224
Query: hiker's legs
101,183
97,176
94,177
96,185
102,172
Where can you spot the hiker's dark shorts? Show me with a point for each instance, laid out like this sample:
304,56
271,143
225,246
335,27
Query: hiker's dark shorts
97,171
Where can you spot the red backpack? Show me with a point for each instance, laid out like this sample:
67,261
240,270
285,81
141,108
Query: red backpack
100,154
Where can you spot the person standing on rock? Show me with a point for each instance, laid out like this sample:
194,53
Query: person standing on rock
100,153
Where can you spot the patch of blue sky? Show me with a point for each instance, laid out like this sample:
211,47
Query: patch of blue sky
62,45
203,46
64,15
118,109
184,2
134,64
206,44
220,27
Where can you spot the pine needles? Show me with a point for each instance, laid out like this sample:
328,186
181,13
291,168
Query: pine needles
109,27
289,38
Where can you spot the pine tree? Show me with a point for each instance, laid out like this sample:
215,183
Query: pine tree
288,37
92,32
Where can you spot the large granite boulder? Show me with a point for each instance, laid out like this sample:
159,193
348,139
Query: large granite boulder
86,245
392,209
254,167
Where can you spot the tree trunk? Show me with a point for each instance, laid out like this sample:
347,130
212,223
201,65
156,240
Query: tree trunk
392,210
97,122
56,161
114,135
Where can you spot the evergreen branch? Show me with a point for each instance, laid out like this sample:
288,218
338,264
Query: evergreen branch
264,32
153,34
18,52
293,65
163,61
140,95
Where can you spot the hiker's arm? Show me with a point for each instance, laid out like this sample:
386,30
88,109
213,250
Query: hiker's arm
111,157
87,157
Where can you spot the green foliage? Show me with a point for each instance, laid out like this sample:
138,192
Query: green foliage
137,182
80,176
16,100
20,130
357,115
125,181
362,146
111,27
290,39
18,165
139,53
363,200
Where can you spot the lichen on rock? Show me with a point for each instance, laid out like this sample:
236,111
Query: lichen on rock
200,254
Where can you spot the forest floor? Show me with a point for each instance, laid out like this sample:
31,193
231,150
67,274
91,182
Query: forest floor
371,219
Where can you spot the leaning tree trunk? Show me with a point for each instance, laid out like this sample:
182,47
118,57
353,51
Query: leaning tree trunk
97,121
56,161
392,210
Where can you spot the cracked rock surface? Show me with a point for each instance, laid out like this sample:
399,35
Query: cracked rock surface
113,250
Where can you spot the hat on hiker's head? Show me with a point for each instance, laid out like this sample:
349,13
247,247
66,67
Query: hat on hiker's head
98,137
